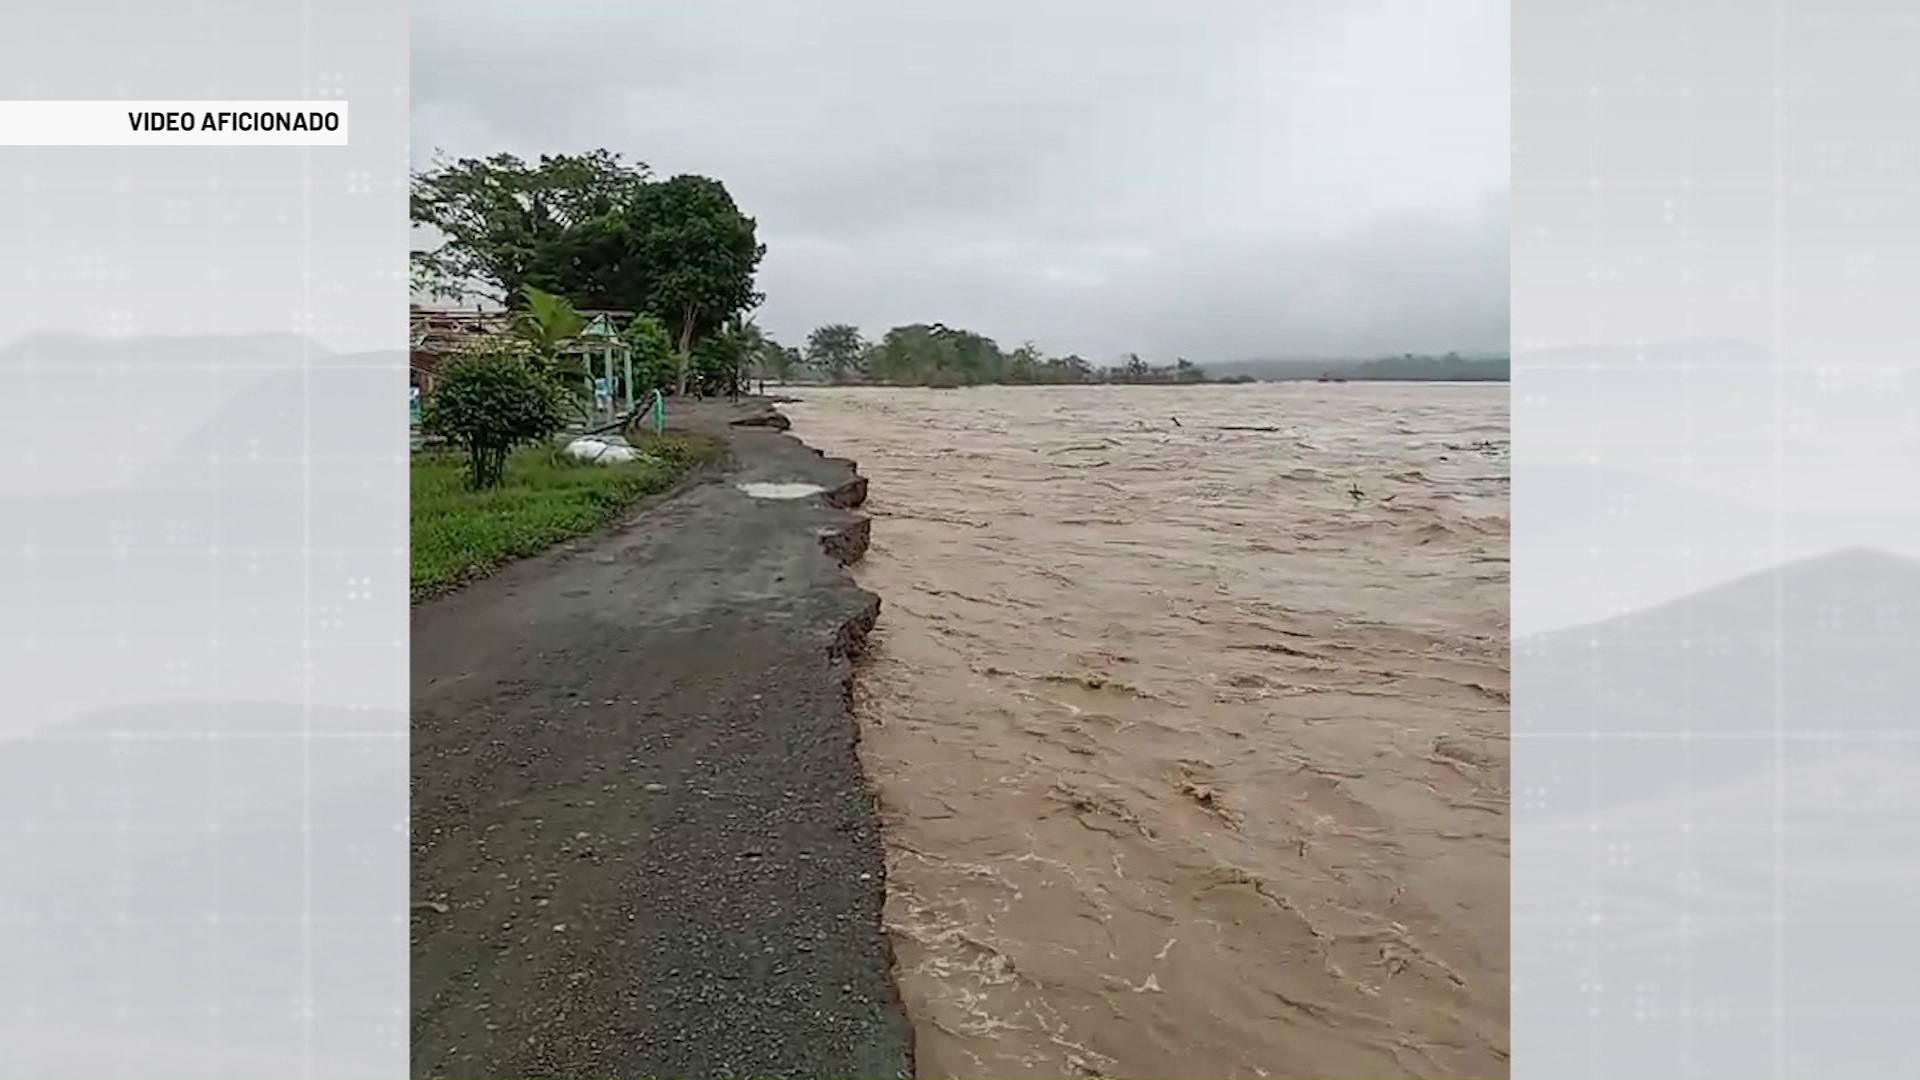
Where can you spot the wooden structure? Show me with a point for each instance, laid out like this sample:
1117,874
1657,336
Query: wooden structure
608,361
437,335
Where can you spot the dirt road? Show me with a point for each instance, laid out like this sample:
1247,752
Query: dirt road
642,845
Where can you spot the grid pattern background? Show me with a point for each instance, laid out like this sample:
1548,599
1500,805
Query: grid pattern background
203,768
1716,769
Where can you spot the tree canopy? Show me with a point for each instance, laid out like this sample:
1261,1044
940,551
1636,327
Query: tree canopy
934,354
497,217
836,350
595,230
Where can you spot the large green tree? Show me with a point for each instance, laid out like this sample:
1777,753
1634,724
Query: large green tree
836,350
596,231
937,354
702,253
490,222
679,250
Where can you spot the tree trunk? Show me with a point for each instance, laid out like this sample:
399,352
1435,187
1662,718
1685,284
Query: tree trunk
685,359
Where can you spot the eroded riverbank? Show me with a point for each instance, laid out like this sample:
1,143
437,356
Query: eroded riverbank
642,845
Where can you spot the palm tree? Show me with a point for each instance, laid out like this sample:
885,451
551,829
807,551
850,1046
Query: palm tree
748,347
836,349
548,323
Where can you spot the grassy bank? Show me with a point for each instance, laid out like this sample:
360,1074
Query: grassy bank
458,533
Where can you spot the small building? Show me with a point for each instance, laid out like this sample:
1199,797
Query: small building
436,335
421,367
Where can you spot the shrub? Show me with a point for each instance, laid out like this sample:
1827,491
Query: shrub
653,362
491,398
717,363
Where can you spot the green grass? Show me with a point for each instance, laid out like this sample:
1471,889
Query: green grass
459,533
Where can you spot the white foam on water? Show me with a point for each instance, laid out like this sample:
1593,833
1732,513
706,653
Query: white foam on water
779,491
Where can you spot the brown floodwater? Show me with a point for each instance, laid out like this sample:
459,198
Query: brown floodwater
1187,714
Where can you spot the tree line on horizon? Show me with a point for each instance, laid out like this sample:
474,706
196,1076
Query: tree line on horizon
600,233
934,354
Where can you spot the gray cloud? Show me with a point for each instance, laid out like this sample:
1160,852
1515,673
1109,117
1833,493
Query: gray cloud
1258,177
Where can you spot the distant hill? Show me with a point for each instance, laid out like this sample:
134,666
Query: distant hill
171,856
1710,801
1814,648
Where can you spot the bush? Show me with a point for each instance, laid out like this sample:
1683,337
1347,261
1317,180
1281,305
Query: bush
717,362
653,361
490,399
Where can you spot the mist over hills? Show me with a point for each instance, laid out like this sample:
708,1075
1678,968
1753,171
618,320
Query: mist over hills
189,511
1713,798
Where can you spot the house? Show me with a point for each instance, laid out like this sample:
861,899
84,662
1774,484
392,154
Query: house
436,335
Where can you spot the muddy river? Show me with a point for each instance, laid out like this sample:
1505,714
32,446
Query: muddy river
1187,713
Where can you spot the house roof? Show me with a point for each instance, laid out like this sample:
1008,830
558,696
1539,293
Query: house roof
443,331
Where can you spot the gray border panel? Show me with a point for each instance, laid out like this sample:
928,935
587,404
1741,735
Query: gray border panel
203,613
1716,538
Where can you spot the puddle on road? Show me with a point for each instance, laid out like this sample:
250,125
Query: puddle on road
759,490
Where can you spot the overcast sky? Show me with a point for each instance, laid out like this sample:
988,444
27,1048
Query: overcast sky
1225,180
